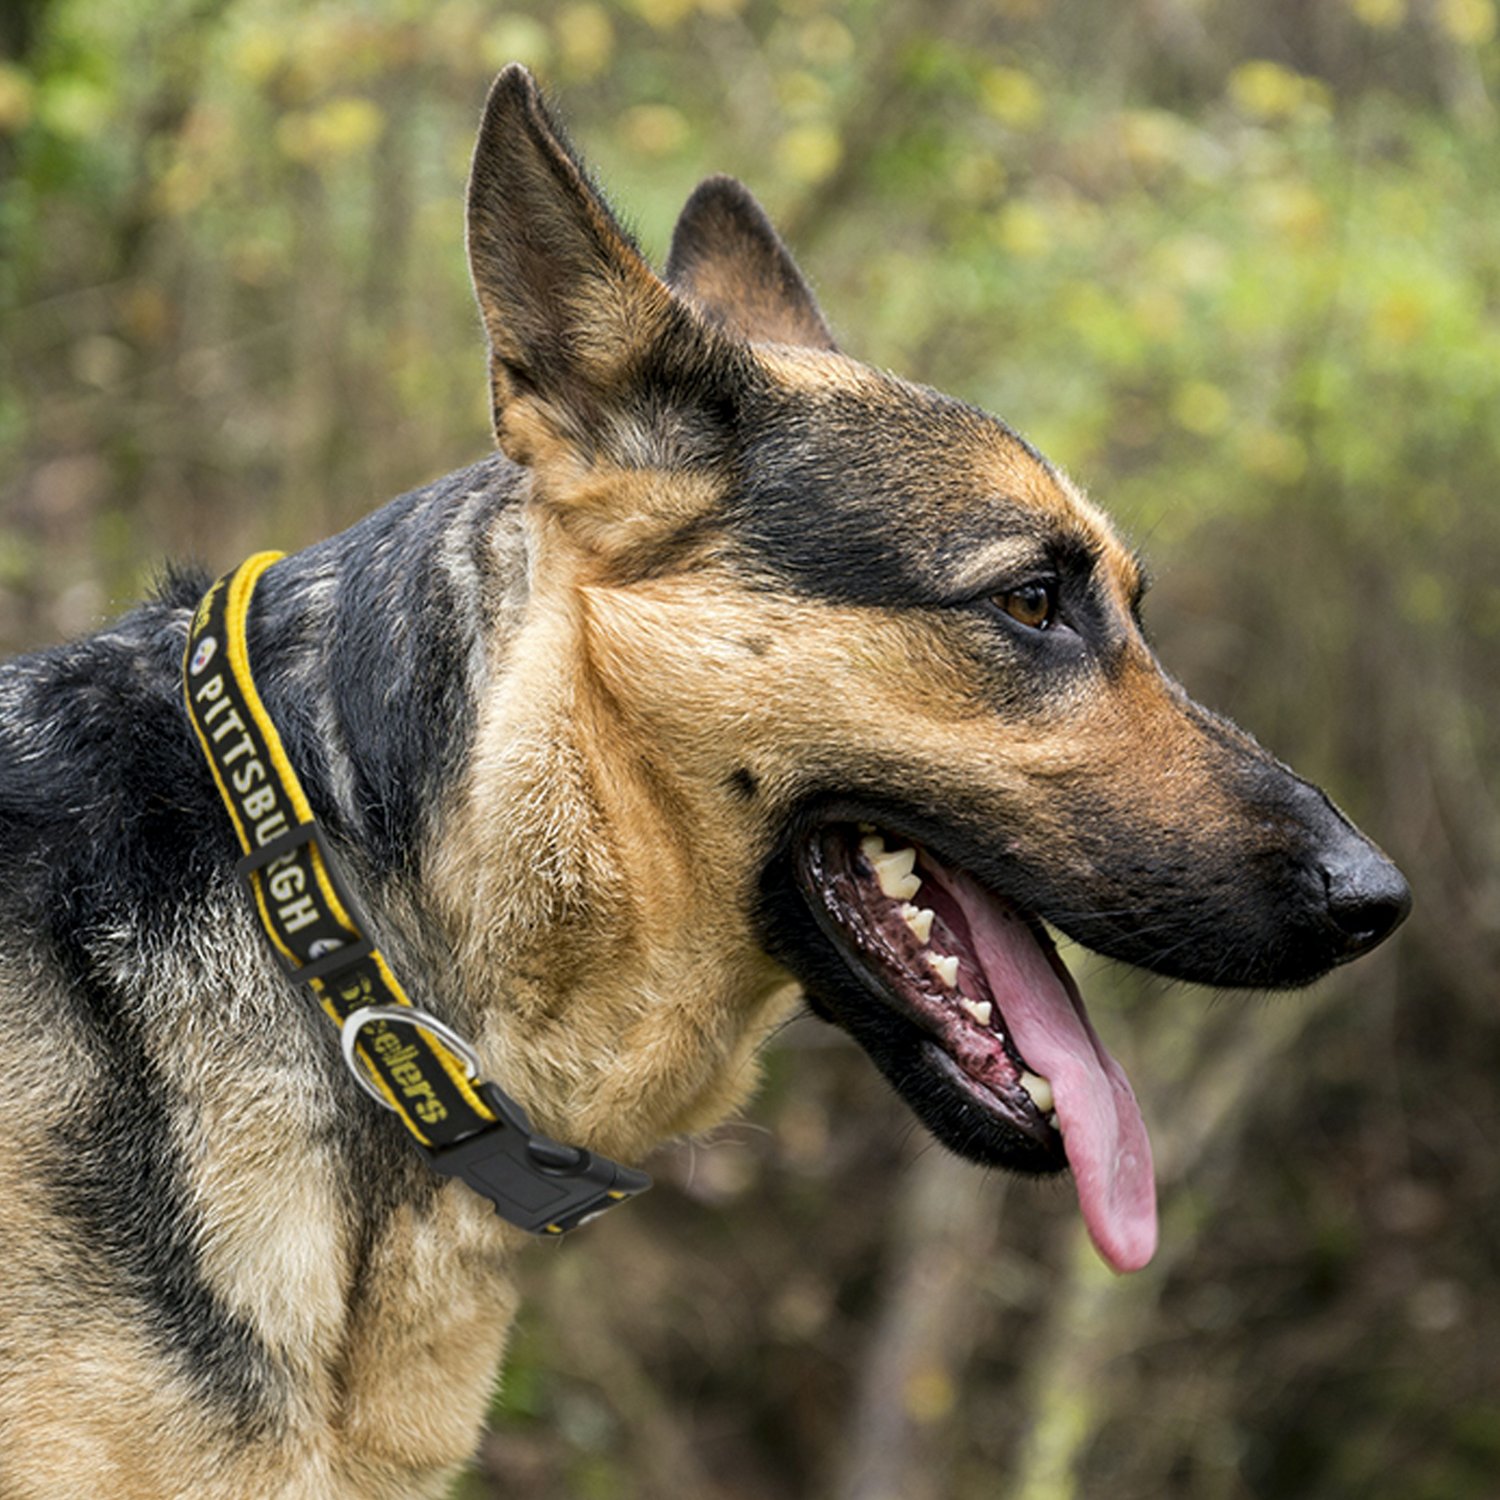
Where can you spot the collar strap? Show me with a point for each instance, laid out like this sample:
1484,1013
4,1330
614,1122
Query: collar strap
408,1060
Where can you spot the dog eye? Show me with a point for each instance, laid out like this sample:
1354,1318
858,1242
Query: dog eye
1033,604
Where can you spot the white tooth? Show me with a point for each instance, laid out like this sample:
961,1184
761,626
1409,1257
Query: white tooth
1052,1119
897,861
872,845
979,1009
894,872
919,920
1040,1091
946,969
867,828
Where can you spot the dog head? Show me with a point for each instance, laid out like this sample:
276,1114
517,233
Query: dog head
881,673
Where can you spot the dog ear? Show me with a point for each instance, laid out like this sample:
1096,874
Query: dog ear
582,332
728,259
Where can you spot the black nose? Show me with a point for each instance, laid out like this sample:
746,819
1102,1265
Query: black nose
1367,896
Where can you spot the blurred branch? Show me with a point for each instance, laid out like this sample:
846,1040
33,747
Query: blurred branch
20,25
902,1439
1178,28
162,120
1091,1318
881,105
1460,77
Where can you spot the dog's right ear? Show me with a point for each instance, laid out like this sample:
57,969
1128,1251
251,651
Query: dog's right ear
731,263
582,332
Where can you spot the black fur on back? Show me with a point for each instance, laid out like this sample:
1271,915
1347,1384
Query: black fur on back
114,841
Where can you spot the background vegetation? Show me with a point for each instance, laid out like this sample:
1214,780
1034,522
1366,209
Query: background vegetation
1236,265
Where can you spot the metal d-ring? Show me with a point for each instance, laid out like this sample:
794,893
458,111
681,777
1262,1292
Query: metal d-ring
366,1015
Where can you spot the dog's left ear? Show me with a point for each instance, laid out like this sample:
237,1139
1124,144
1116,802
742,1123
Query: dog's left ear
731,263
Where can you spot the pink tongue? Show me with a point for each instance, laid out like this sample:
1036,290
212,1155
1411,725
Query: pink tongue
1101,1123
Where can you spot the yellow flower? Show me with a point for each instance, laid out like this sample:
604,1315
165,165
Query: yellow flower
929,1394
662,14
516,39
1266,91
1470,21
1291,209
1200,407
16,98
586,36
1023,230
826,42
1379,15
259,54
339,128
809,153
1399,317
1013,97
654,129
1273,454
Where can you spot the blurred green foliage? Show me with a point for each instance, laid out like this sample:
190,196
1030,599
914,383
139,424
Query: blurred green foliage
1236,266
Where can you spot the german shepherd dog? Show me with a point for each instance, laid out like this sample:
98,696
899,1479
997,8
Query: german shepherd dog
741,663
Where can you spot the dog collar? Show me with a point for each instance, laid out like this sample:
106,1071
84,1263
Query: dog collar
404,1058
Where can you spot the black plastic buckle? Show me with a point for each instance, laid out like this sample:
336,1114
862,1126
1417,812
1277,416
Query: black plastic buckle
536,1183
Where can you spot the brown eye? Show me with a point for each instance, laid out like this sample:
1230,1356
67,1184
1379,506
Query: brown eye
1033,604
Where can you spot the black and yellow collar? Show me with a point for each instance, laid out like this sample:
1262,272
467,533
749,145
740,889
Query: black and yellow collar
405,1058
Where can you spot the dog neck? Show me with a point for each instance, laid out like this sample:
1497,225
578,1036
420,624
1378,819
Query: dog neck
513,830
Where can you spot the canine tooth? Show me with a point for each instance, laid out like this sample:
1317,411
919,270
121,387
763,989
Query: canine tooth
1040,1091
946,969
872,846
919,919
1052,1119
981,1010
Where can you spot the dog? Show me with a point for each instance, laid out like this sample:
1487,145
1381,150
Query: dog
741,671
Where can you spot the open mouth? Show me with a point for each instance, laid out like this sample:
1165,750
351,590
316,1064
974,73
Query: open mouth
992,1043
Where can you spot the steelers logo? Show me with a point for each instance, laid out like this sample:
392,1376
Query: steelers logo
203,655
